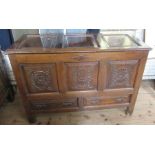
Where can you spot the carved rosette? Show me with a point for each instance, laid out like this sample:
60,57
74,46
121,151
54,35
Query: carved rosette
40,77
41,80
82,76
120,73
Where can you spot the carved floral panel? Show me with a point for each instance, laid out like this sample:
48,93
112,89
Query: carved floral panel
121,73
82,76
40,77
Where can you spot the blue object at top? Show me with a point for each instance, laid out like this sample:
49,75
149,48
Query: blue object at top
5,38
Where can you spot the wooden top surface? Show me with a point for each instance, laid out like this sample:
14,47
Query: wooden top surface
52,43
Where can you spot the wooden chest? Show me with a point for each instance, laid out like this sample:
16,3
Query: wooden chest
78,72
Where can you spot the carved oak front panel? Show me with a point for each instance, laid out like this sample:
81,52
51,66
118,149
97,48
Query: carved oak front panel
40,78
81,76
121,74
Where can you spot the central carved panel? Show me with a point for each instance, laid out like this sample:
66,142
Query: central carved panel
121,73
82,76
40,77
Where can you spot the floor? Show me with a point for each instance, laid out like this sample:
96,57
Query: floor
144,113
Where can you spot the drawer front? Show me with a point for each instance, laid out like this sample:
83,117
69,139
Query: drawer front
54,105
95,101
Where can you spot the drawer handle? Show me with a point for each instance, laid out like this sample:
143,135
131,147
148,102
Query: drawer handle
94,102
80,57
120,99
39,106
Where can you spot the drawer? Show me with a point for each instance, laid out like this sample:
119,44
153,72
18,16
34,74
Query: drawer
95,101
54,105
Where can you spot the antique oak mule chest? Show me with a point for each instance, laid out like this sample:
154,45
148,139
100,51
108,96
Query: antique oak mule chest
56,73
